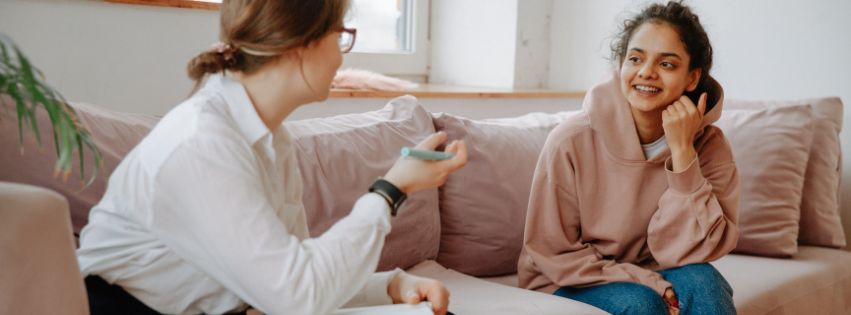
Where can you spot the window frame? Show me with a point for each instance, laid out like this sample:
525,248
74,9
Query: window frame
189,4
413,65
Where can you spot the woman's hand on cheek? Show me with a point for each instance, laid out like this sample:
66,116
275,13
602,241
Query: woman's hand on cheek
407,288
681,121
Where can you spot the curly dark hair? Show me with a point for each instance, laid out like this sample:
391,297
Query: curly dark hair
687,25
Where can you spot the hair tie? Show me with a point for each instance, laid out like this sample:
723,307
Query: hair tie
258,53
226,50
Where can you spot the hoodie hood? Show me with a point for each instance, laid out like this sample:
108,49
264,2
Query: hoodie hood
611,117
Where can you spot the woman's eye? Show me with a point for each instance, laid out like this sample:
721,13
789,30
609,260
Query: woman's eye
633,59
667,65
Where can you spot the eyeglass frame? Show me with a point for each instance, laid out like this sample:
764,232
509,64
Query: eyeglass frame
354,33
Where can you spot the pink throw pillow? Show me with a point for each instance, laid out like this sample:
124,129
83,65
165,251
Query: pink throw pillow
771,148
483,205
340,156
115,134
820,224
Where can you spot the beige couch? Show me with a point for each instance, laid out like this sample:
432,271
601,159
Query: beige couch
469,232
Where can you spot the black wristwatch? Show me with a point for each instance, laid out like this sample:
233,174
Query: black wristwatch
390,193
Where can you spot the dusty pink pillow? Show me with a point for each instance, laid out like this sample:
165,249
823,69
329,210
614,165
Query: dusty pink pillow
820,224
115,134
340,156
483,205
771,147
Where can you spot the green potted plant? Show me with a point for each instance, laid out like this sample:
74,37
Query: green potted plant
25,87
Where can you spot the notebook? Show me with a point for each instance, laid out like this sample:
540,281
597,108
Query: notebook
423,308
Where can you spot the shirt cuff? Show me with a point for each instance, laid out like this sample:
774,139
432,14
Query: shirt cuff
686,181
372,207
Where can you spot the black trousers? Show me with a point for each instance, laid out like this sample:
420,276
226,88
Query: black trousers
108,299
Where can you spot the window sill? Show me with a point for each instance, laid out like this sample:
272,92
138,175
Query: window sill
447,91
190,4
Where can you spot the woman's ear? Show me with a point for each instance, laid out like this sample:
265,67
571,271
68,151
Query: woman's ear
293,56
694,79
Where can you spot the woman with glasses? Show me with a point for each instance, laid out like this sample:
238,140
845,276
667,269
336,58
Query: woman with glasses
205,214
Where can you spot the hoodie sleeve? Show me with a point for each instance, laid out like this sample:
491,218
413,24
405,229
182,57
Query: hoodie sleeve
697,219
554,252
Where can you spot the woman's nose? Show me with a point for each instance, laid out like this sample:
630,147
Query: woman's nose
646,71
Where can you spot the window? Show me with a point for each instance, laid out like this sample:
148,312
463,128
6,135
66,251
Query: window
384,24
392,34
392,37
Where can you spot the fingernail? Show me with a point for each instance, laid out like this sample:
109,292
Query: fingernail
411,294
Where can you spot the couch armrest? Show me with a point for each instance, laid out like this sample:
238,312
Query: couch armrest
40,272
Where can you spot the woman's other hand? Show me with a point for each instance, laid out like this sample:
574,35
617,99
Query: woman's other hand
412,175
672,302
407,288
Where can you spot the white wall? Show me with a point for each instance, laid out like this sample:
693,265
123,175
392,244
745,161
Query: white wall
126,57
491,43
532,48
782,49
580,33
471,47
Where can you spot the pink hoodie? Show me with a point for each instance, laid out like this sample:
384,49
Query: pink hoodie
599,212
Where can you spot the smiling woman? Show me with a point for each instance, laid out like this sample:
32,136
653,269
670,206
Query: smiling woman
642,152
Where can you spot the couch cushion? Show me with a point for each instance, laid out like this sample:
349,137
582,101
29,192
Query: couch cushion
471,296
816,281
483,205
340,156
115,134
771,147
820,220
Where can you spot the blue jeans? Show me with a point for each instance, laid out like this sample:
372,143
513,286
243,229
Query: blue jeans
699,288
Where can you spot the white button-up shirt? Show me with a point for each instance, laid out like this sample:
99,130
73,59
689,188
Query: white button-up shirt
205,215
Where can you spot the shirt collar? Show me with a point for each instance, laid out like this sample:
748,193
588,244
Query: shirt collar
241,108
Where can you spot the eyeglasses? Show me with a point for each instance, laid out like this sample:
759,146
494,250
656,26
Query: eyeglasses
347,39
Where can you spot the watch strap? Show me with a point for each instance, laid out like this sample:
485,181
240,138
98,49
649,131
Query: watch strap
392,194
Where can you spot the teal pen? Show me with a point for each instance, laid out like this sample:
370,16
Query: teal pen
426,154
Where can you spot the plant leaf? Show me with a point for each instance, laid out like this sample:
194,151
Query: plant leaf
25,84
22,113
